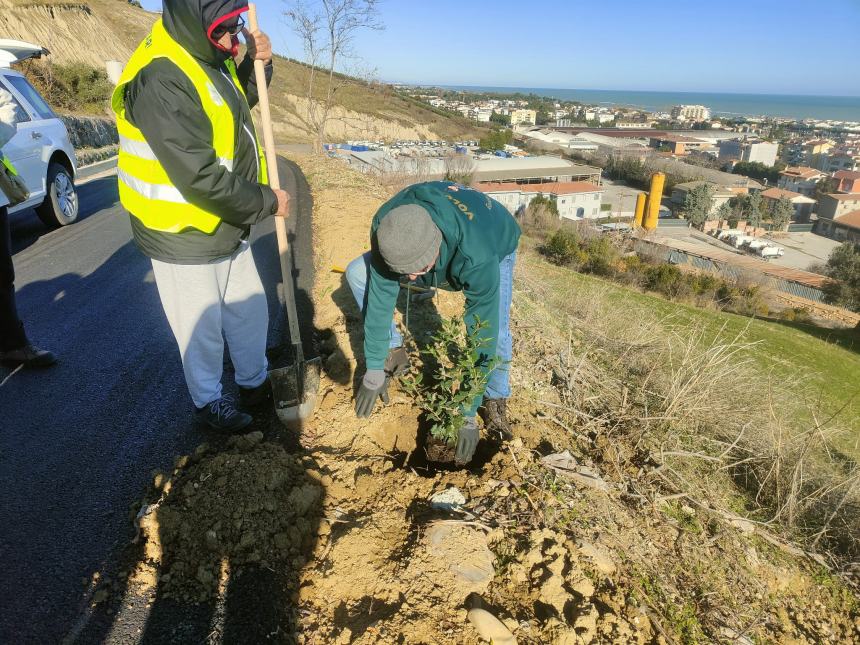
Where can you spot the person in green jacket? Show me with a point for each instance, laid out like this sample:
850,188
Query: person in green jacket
439,234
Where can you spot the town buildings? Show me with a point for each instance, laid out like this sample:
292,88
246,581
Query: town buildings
677,144
803,205
815,153
839,216
522,117
800,179
749,150
720,194
836,205
848,181
694,113
574,200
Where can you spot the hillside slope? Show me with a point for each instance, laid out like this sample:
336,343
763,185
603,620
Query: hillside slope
605,520
89,32
95,31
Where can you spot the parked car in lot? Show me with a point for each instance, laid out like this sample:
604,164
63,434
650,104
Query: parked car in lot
41,150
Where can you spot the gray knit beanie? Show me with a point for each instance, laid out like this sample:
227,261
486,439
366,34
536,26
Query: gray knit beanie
408,239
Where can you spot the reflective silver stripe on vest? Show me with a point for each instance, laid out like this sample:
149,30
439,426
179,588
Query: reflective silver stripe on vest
136,148
161,192
142,150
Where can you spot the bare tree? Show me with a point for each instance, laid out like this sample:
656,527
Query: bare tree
327,29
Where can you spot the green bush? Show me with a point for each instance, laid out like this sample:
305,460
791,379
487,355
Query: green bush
705,284
76,87
601,256
563,248
748,300
795,314
664,278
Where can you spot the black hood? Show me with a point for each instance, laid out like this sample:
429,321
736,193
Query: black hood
187,20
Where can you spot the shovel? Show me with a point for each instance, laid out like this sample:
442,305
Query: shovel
294,387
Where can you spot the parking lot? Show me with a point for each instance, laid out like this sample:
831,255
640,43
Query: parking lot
804,249
801,249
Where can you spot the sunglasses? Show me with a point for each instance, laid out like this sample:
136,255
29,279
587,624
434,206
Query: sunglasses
234,30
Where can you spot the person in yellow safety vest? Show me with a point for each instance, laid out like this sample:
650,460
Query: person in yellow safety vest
192,175
15,348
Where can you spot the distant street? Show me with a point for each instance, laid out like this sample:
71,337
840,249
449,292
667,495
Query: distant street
78,441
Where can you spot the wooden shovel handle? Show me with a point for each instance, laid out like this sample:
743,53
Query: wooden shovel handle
275,183
265,114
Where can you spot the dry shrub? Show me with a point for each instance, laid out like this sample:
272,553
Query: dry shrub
539,219
459,168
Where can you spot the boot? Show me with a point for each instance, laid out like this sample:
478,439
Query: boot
494,414
254,397
28,356
222,414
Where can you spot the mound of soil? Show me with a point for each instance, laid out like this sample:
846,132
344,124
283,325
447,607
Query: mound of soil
252,503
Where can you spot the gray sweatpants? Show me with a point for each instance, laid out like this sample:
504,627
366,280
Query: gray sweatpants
206,303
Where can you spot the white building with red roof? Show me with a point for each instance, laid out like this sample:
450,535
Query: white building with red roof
575,200
800,179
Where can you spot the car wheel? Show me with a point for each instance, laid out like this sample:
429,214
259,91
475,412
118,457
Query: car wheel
60,207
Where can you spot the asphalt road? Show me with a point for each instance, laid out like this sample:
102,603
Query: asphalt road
78,441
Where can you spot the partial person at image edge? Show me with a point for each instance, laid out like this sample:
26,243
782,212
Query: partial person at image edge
15,347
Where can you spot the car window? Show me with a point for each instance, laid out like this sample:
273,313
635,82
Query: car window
29,92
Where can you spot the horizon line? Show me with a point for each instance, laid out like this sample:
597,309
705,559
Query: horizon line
595,89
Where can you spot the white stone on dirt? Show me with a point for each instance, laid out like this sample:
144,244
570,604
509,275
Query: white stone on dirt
490,628
448,500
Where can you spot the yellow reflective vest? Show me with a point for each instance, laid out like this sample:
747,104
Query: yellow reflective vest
5,161
145,190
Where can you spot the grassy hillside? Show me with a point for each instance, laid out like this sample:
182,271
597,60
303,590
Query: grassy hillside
820,366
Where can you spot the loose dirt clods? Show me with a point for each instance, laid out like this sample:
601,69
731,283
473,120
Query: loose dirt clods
251,503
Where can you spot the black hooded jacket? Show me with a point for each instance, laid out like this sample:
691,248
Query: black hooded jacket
164,105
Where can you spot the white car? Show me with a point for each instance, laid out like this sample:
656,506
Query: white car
41,150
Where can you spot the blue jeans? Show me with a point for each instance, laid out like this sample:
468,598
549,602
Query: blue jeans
498,385
357,275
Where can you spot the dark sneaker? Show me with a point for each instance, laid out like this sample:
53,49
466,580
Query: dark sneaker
254,397
223,415
29,356
495,415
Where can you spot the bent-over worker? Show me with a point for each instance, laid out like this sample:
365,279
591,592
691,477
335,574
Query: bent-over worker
439,234
193,177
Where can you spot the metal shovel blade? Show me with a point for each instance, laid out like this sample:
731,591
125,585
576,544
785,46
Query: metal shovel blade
295,391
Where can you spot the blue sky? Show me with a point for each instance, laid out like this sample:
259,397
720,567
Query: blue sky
755,46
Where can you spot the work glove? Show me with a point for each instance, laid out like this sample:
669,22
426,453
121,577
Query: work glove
374,384
467,441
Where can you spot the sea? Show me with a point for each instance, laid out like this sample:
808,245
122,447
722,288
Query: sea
827,108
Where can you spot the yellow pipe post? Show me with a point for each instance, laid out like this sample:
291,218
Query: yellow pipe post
658,179
640,210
